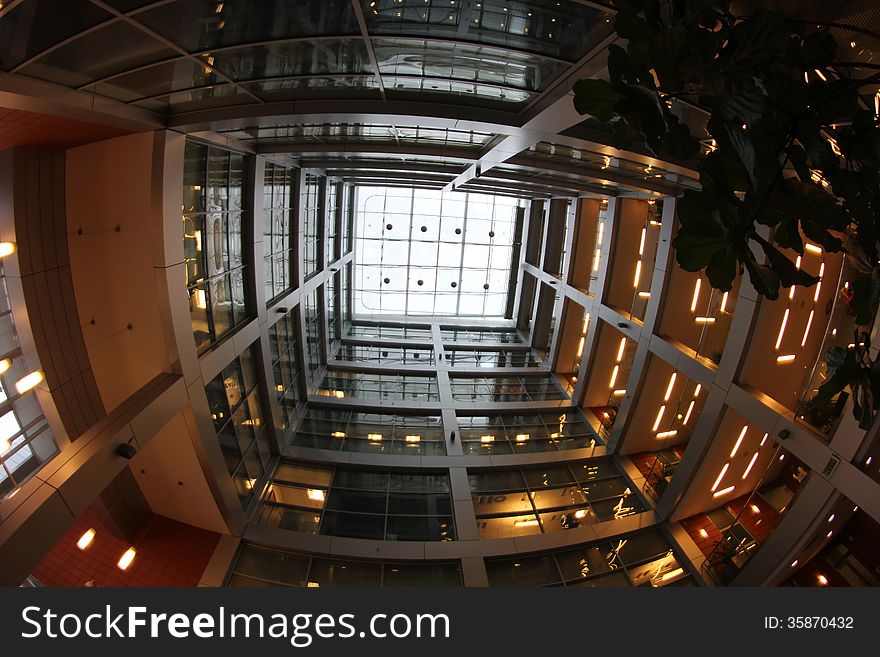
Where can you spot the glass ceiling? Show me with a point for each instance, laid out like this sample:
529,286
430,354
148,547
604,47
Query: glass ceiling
429,252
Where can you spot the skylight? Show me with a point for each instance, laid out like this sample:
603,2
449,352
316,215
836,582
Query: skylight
426,252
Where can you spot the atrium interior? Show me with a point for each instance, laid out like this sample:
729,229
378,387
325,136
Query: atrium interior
326,293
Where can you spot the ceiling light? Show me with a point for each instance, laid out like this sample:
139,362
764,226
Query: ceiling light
86,539
614,376
644,295
724,302
704,533
28,382
723,491
672,574
5,364
6,248
807,329
200,299
750,465
696,296
755,508
487,439
669,387
522,437
620,349
374,437
642,242
785,359
526,523
742,434
313,585
339,394
618,393
658,418
823,581
413,439
794,563
667,434
812,248
782,329
338,434
638,274
764,439
315,494
697,390
687,415
831,518
720,477
126,559
580,513
704,320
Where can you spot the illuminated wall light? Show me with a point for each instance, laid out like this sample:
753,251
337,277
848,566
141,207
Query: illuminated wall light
642,242
375,437
742,434
200,299
596,258
755,508
580,351
807,329
667,434
687,415
791,292
750,465
487,439
659,418
279,388
620,349
338,434
704,320
28,382
313,585
6,248
86,539
720,477
580,513
764,439
339,394
785,359
823,581
782,328
697,390
526,523
782,457
819,284
672,574
315,494
619,393
812,248
696,298
586,323
724,302
704,533
5,364
638,274
126,559
644,295
522,437
4,446
724,491
614,376
412,439
669,387
794,563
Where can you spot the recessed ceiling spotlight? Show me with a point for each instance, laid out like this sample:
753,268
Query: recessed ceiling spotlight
485,286
424,229
491,233
454,284
388,226
458,231
420,282
387,280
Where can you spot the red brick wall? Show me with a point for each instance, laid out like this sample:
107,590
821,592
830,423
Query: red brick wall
169,553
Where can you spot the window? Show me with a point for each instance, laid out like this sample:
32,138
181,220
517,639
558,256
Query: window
334,189
530,387
213,229
312,199
391,506
277,244
636,559
236,400
519,502
366,353
284,351
460,335
517,433
492,358
314,332
259,566
390,332
378,433
365,385
332,289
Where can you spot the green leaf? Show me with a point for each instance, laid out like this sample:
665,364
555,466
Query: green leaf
764,279
680,144
629,26
622,134
722,270
596,98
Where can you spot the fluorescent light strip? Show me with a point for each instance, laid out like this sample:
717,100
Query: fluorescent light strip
697,390
669,387
644,295
642,242
785,359
764,439
742,434
807,329
687,415
667,434
696,296
704,320
620,349
724,491
619,393
614,376
596,259
812,248
601,232
580,351
720,477
638,274
819,284
782,329
724,302
659,418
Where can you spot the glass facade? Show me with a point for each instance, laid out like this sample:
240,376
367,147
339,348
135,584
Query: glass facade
492,358
237,399
460,335
259,566
363,353
278,248
525,388
519,502
213,241
371,386
389,332
637,559
313,207
518,433
284,350
315,331
374,433
391,506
